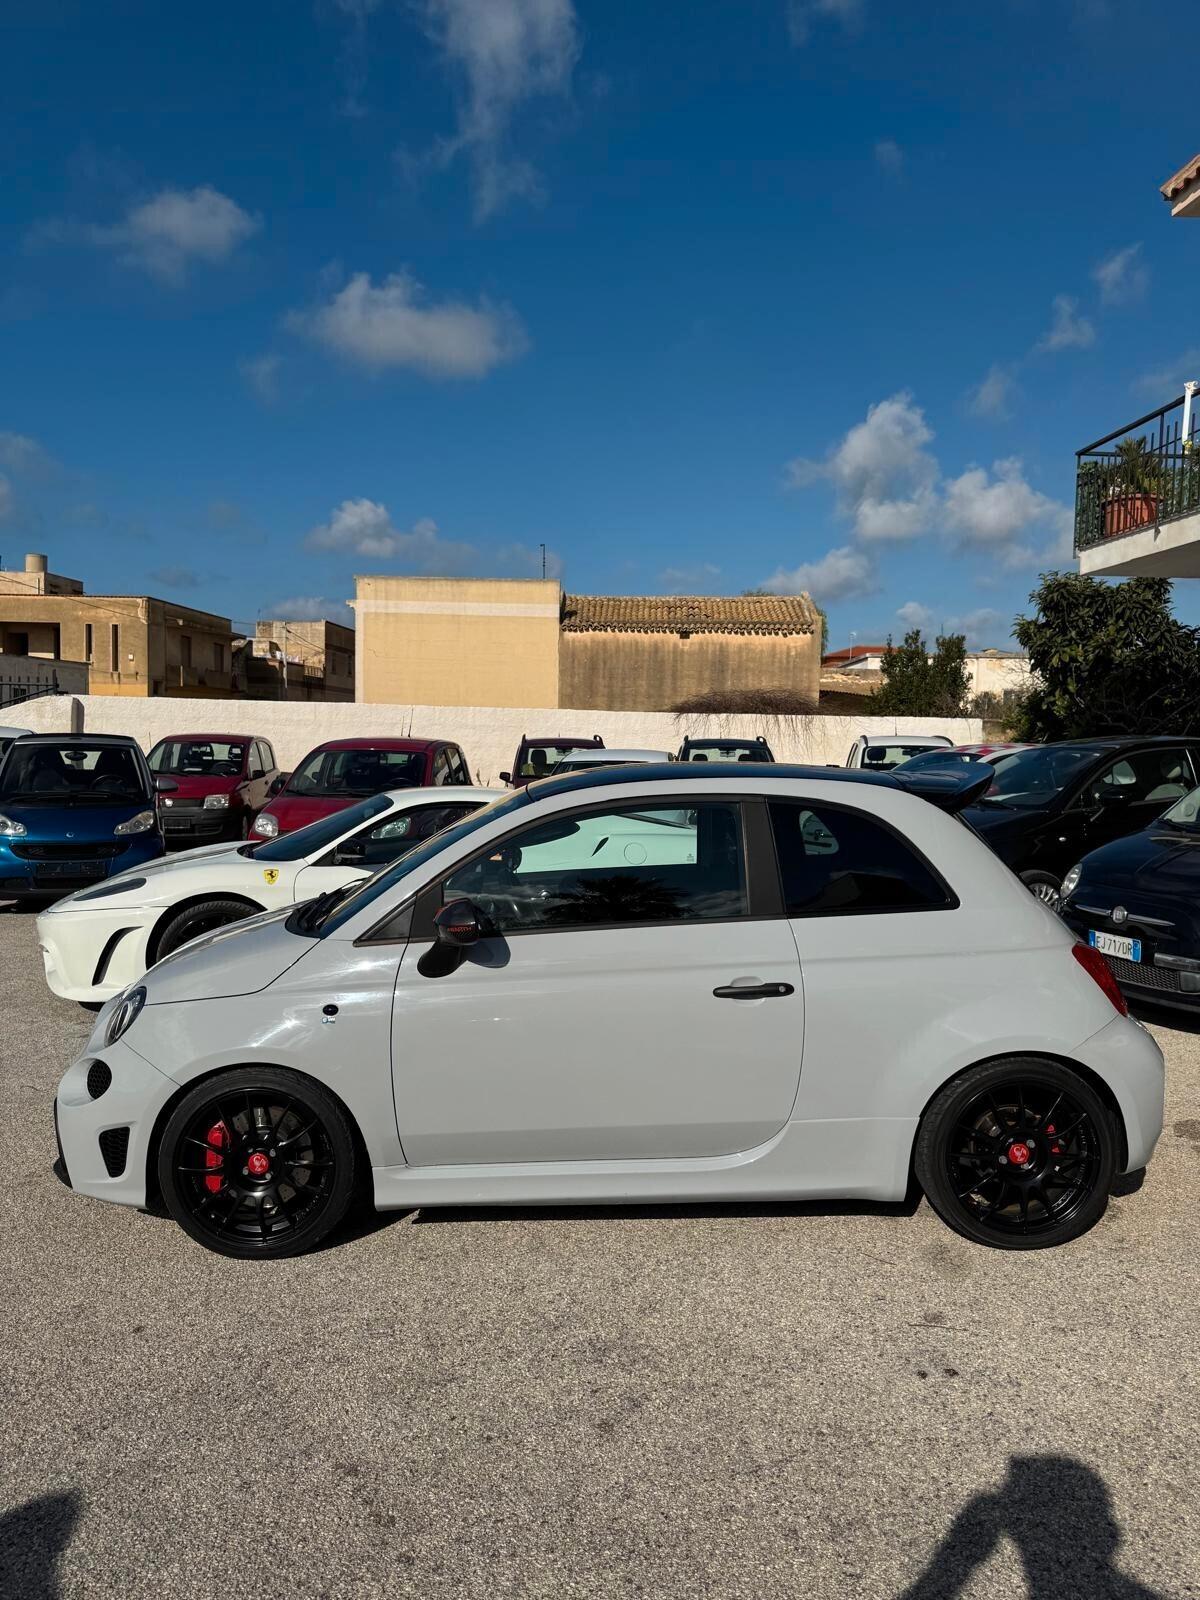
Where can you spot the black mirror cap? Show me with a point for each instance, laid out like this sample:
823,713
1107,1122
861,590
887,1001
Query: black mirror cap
506,777
163,785
458,924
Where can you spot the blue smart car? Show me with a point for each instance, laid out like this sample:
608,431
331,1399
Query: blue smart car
74,810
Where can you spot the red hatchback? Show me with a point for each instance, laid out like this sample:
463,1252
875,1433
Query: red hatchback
222,781
336,774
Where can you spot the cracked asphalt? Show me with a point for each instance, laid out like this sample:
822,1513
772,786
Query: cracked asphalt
758,1401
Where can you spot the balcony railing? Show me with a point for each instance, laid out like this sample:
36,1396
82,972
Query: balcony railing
1144,474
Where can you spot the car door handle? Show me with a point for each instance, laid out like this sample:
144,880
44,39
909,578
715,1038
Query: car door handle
754,991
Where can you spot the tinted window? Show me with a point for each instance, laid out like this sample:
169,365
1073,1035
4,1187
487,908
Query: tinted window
318,835
834,861
199,758
654,864
74,770
539,759
335,773
395,836
1145,777
1031,778
458,770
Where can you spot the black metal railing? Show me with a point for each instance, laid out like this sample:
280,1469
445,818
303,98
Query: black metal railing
16,691
1144,474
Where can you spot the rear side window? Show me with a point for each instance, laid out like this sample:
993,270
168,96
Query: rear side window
834,862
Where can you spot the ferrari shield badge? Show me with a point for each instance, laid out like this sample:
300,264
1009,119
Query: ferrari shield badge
270,874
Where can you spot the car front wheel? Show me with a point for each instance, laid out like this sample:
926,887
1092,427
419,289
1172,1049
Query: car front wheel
1044,886
1018,1154
199,919
258,1163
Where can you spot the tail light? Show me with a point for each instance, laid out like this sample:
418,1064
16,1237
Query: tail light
1097,968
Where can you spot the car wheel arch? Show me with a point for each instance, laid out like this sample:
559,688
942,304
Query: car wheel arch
1093,1079
253,908
154,1201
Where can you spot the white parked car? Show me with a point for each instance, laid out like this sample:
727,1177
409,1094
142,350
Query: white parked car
588,760
96,942
883,752
638,984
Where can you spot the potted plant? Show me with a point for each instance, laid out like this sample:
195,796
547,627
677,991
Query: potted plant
1136,488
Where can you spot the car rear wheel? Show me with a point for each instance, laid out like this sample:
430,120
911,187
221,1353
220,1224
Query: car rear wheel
195,920
1020,1154
1044,886
258,1163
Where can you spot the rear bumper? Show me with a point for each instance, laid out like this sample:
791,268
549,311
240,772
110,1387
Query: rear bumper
1129,1061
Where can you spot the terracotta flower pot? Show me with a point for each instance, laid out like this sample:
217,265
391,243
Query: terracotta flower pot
1123,512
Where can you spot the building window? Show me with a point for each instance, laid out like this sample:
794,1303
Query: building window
87,643
114,647
185,649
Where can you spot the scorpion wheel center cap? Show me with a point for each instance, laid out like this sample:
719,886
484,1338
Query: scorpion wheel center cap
259,1166
1018,1154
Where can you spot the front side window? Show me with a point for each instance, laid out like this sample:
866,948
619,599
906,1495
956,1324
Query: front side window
73,771
833,861
332,774
441,768
1032,778
395,836
318,835
652,864
199,758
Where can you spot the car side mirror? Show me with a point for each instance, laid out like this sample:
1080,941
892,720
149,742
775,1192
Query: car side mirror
1114,799
459,925
506,777
164,785
352,853
277,784
256,774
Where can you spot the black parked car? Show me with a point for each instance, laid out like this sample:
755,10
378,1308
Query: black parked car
1137,901
756,749
1050,805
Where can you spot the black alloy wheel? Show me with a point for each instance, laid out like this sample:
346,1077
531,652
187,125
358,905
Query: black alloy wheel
193,921
1019,1154
258,1163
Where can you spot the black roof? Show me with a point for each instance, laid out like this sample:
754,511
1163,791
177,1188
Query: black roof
121,741
724,744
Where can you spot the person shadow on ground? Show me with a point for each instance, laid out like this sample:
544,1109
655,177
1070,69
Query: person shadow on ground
32,1537
1059,1515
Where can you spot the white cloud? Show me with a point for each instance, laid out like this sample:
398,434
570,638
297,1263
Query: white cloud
393,325
354,53
364,528
1068,330
981,627
1167,381
889,156
310,608
993,396
840,574
7,503
914,615
261,375
500,53
164,235
999,511
1122,277
885,479
697,579
21,454
802,15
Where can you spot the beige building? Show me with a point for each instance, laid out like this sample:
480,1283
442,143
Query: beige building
512,642
294,660
131,644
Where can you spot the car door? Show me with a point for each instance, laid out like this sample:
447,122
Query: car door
377,844
255,788
1129,792
601,1019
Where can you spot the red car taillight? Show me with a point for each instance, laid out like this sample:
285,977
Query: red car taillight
1097,968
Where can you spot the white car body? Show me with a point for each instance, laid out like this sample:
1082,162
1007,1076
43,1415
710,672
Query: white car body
913,743
604,1063
98,941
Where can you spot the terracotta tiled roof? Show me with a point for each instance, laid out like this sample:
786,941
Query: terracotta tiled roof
1181,180
689,613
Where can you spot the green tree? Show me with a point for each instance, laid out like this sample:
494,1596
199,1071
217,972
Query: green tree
1107,658
918,682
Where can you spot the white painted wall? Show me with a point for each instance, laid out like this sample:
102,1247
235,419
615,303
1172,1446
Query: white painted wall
488,734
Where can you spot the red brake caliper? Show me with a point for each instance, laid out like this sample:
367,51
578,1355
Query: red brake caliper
217,1140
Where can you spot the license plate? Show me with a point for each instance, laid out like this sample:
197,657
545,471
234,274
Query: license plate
1115,944
71,869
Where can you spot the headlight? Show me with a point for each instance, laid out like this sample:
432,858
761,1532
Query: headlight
142,823
216,802
1071,882
115,886
10,829
125,1015
266,827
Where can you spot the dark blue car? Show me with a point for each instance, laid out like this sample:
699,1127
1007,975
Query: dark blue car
74,810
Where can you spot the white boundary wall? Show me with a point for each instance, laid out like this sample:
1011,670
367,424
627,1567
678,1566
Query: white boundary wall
488,734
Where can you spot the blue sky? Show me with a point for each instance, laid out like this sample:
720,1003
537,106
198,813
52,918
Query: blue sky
703,295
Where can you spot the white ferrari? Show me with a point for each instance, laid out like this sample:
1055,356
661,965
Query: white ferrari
96,942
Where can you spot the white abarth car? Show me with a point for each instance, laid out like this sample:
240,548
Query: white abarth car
96,942
678,983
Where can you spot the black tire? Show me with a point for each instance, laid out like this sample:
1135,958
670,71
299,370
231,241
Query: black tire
203,917
1046,1113
281,1209
1045,887
245,825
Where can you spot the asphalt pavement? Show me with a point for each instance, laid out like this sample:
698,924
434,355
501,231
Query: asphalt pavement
753,1401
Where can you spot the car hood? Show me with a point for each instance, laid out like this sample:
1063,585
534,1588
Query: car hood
1159,859
241,959
92,822
297,811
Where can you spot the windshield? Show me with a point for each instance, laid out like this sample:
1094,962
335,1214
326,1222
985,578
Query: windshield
726,752
330,774
199,758
885,757
585,766
539,759
369,889
319,835
1184,813
935,760
1032,778
74,772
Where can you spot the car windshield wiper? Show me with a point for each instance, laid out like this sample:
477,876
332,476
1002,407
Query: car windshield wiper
314,913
